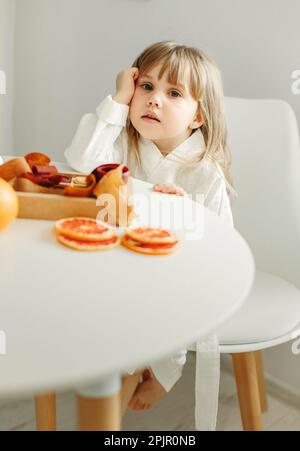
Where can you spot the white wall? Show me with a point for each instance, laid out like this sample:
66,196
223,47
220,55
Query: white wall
68,53
6,65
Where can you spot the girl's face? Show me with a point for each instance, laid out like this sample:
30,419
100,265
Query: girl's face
173,106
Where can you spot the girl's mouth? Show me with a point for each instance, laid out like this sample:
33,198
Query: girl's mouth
150,119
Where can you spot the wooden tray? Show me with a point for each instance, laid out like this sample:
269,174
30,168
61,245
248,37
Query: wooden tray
37,202
55,206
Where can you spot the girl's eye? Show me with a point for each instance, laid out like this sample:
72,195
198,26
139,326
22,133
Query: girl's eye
145,86
177,94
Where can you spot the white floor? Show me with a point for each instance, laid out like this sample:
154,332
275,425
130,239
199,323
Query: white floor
174,413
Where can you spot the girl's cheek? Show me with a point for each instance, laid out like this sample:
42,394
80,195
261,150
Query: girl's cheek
133,113
132,107
135,99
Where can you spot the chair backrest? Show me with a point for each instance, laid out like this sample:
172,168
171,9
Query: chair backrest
264,143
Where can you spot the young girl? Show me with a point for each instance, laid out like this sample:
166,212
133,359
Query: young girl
166,123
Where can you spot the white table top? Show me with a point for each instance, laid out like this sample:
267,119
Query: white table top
70,317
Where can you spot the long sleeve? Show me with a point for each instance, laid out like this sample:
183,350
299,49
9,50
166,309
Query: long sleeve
96,139
217,200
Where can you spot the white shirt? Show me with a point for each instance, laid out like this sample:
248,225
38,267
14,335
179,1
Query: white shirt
102,138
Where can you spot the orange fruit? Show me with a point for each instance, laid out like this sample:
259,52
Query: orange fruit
9,204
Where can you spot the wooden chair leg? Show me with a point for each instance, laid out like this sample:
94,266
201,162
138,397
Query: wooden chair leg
45,412
261,381
248,391
100,414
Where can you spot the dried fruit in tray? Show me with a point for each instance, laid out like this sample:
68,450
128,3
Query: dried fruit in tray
35,158
80,186
13,168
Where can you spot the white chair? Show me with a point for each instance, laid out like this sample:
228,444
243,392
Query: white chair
264,142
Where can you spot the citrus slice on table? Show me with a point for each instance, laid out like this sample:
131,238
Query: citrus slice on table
86,229
151,241
81,245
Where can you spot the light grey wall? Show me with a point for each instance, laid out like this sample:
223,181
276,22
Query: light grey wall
6,65
68,53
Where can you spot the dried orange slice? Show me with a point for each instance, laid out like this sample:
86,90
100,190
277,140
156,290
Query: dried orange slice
151,235
85,229
37,158
81,245
151,241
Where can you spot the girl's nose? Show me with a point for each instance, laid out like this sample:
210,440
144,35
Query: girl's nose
154,101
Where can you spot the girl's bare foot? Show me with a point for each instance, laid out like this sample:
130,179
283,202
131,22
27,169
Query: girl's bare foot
147,393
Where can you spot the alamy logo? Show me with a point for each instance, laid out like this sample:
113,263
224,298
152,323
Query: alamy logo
296,347
2,83
296,83
2,343
178,216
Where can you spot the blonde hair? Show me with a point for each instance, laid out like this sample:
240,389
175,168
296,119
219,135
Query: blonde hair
205,83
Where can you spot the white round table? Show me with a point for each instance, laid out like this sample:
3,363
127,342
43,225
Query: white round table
71,317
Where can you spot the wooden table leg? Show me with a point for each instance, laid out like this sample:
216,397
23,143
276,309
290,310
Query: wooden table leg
45,412
99,406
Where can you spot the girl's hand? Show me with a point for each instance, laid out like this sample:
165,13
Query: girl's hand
169,189
125,85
